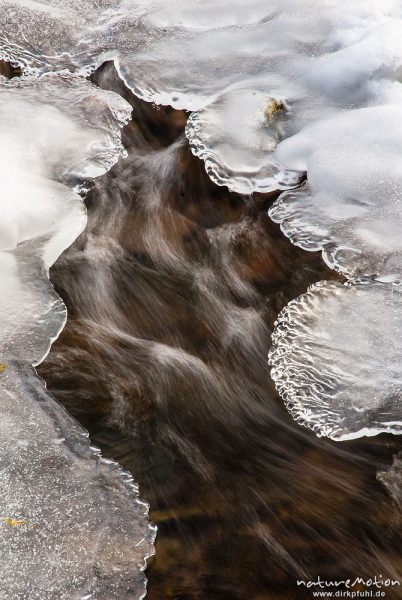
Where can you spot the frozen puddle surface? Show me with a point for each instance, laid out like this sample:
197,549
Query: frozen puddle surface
72,525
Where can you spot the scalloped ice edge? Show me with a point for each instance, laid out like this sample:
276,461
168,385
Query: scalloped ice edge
147,94
299,238
15,56
242,183
284,326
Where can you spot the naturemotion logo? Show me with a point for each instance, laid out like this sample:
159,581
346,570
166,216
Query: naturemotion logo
353,587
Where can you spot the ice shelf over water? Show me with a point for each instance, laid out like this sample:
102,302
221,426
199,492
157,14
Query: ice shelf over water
71,523
351,208
337,361
56,133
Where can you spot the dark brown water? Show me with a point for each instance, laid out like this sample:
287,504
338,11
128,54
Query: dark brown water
172,293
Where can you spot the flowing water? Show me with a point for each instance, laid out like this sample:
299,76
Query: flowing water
173,291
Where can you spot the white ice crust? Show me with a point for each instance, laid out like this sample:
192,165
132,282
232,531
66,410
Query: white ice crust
71,523
56,134
351,207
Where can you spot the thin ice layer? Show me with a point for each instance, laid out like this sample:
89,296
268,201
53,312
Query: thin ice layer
56,134
32,314
173,49
336,359
166,50
351,208
237,77
317,63
71,524
50,35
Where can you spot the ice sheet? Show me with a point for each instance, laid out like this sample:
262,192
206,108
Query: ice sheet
336,359
71,524
351,208
319,57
